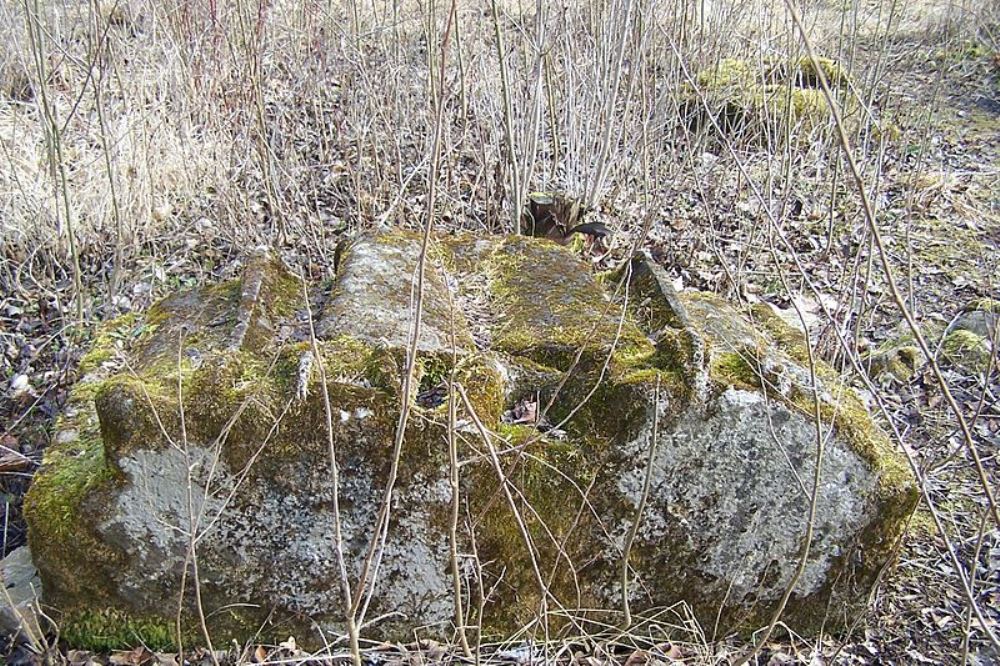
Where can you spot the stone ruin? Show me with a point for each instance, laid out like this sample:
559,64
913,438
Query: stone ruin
596,416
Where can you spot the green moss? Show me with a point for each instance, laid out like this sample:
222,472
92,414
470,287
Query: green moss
886,130
734,369
119,331
400,250
612,409
552,309
433,369
75,468
641,376
71,469
104,631
204,318
280,296
983,305
545,475
133,409
899,362
896,493
97,356
484,387
899,357
790,340
201,318
869,441
727,72
957,253
678,352
804,72
649,309
969,49
284,294
846,411
808,106
110,629
922,523
349,360
242,387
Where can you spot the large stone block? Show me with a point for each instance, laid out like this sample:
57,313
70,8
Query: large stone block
202,433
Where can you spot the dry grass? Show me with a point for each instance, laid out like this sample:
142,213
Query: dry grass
257,115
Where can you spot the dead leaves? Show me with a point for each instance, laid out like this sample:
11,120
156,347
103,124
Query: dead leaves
139,656
11,458
259,655
663,654
527,412
666,654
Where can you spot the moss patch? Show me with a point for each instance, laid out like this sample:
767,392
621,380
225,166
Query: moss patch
117,333
104,631
552,310
845,411
957,253
72,469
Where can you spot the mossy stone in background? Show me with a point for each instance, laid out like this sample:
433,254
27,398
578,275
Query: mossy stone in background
766,100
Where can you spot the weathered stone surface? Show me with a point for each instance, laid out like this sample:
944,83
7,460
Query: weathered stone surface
389,270
19,602
209,415
980,317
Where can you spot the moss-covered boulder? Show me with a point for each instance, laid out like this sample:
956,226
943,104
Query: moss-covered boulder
766,99
897,359
970,340
192,468
964,346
